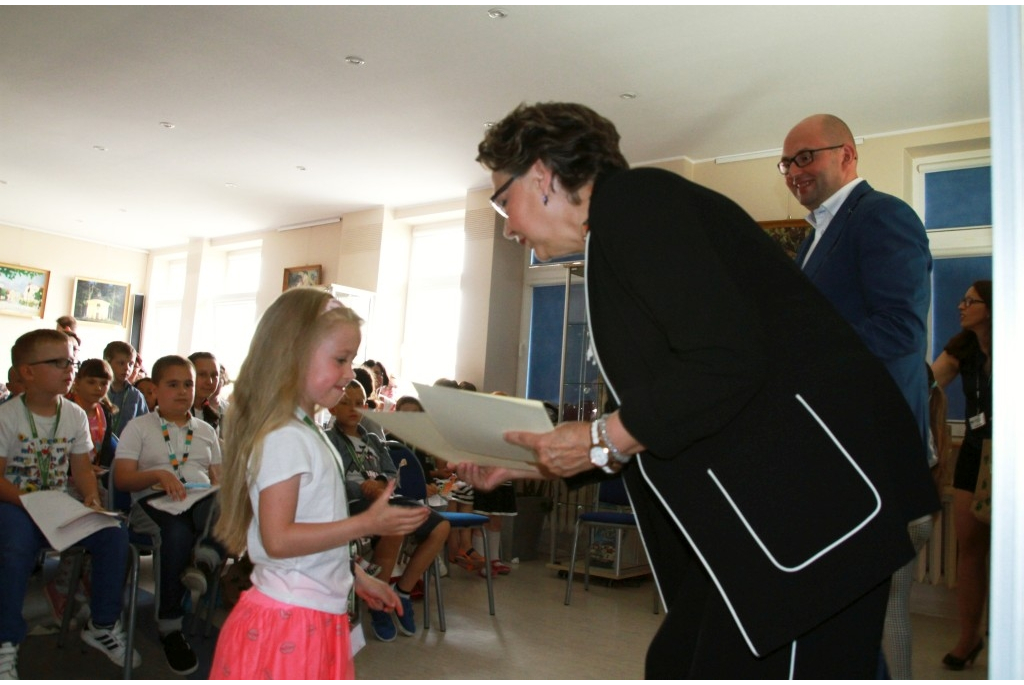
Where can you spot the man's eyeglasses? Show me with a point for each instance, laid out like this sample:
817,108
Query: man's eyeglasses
968,301
60,363
500,207
802,158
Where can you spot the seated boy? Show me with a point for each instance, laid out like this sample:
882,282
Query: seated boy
170,452
128,401
43,437
367,468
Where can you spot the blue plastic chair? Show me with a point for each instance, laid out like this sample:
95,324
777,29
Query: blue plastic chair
613,493
412,483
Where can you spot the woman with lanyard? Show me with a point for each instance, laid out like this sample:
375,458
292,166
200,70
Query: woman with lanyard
969,355
170,453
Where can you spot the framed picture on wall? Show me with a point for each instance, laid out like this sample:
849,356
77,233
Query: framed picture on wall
788,233
23,290
303,275
96,301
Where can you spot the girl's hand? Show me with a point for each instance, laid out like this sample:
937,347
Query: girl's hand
564,451
391,519
377,594
174,488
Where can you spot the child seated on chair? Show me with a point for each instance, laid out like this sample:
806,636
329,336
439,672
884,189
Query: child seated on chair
368,466
169,452
44,439
129,401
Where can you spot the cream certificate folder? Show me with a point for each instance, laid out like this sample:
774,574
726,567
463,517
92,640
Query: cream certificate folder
459,425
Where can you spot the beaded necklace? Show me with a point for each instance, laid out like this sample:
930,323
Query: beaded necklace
170,450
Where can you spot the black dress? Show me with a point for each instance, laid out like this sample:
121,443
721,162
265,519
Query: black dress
775,491
977,384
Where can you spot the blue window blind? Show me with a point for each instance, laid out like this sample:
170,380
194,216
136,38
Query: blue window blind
958,197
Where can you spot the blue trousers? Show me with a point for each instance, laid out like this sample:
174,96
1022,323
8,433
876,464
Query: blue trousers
20,543
179,534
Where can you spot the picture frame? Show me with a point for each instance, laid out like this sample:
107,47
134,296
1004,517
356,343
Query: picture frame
23,290
788,233
97,301
312,274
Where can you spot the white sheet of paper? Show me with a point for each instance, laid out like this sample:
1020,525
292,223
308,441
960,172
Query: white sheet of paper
468,426
63,519
192,495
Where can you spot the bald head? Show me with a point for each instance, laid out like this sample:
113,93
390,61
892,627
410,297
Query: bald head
833,161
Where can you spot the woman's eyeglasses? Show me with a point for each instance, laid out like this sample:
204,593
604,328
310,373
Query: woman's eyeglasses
499,207
968,301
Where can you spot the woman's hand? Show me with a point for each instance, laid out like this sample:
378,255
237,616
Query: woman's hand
486,478
377,594
563,452
394,519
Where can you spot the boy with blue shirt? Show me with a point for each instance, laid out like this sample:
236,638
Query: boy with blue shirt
44,442
128,400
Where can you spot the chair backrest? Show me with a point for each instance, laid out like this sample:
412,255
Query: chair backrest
412,482
613,492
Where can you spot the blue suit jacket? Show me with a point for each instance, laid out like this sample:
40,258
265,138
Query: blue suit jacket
874,265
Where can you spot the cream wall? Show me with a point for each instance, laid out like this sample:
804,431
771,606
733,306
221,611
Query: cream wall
66,259
885,161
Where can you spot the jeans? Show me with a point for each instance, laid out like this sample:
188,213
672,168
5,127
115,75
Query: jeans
179,534
20,544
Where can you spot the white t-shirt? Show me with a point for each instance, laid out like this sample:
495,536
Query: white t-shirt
22,450
143,441
318,581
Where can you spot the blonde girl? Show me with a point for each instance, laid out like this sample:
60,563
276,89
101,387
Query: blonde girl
283,498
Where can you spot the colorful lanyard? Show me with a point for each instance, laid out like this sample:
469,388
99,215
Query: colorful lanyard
320,431
170,450
43,464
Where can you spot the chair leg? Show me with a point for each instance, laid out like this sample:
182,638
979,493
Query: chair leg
572,563
440,597
75,577
487,571
133,597
586,558
431,570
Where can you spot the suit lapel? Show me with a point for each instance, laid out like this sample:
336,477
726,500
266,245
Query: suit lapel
834,230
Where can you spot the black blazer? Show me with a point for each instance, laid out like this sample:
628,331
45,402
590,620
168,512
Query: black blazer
777,443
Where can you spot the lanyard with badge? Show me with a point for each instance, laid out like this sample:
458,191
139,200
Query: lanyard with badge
319,431
43,462
171,455
978,420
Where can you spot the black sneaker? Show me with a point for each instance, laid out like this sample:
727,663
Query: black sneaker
180,656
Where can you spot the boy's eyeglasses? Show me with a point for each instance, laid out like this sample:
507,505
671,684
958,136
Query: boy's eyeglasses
60,363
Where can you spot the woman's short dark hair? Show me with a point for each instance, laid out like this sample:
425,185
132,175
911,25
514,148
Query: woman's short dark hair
574,141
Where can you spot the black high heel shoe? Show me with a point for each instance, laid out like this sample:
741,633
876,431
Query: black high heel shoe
955,663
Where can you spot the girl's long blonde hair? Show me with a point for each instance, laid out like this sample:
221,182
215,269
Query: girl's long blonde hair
266,393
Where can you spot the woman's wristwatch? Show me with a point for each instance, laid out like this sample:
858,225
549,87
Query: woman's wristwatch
603,454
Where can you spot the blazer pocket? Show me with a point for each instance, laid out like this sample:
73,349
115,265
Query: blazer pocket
802,494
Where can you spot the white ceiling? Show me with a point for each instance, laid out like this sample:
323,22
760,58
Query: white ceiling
254,92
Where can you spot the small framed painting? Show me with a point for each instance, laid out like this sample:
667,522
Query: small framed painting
303,275
96,301
788,233
23,290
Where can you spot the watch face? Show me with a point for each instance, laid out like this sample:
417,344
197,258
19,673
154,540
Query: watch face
598,456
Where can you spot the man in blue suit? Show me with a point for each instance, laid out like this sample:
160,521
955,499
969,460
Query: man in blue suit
869,256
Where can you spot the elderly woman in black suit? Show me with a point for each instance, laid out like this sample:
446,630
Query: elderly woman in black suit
762,445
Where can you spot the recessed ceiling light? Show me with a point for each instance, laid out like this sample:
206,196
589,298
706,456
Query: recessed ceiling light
166,124
355,61
490,124
230,185
123,211
99,148
300,168
497,13
3,182
628,96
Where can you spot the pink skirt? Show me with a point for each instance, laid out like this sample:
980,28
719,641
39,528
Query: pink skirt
263,639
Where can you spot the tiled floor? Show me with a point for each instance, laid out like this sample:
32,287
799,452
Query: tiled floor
602,635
